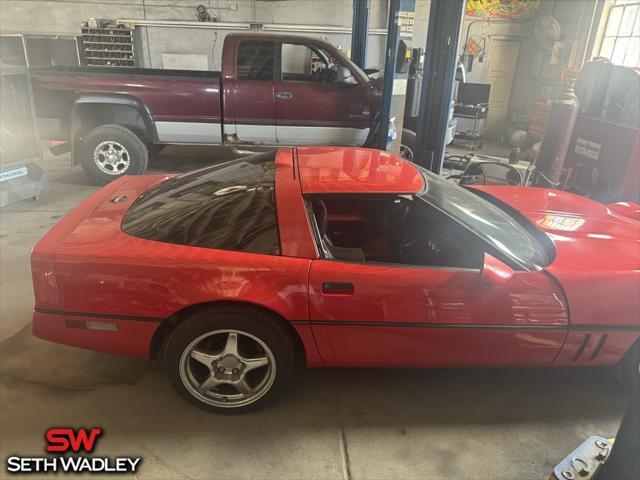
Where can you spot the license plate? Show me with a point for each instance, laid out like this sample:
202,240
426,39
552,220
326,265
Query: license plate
15,173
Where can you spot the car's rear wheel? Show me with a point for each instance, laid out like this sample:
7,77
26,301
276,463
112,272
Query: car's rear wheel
627,371
111,151
229,359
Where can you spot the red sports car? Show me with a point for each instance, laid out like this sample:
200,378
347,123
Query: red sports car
341,257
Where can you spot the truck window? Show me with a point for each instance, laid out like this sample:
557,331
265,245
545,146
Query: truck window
301,63
255,60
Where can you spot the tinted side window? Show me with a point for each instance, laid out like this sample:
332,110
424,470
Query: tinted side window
255,60
229,207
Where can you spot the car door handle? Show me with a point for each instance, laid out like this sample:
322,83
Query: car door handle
284,95
343,288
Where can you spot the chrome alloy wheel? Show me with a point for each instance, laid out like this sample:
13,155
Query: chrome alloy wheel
111,157
227,368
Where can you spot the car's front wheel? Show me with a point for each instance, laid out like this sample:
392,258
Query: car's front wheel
229,359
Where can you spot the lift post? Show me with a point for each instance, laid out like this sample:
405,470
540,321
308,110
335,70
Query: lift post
440,61
360,31
397,59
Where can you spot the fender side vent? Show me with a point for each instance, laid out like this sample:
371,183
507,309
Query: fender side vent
598,347
582,346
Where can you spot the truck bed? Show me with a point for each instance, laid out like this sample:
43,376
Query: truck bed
177,106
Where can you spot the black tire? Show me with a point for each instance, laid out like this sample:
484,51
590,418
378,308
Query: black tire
627,371
265,327
154,149
408,145
130,153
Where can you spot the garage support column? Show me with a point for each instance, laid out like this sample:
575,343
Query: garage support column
391,50
397,56
440,60
360,32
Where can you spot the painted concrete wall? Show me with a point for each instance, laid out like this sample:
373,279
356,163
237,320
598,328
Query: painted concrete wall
523,91
575,18
65,16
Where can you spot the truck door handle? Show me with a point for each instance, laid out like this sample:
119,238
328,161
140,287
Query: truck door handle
284,95
344,288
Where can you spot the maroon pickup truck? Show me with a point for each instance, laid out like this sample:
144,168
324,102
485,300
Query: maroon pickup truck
273,90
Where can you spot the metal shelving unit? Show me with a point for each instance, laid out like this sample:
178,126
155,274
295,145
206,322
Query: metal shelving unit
108,44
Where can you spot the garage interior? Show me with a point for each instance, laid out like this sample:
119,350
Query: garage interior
518,57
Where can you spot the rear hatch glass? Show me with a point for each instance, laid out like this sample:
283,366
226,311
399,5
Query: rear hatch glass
230,206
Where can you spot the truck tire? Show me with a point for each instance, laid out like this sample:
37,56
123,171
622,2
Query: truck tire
229,359
408,145
111,151
627,371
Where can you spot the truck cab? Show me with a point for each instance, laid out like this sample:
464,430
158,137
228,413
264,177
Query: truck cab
292,90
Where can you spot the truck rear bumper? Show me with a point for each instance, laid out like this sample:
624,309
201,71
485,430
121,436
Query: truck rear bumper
111,335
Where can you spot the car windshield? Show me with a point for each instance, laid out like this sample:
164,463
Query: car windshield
487,220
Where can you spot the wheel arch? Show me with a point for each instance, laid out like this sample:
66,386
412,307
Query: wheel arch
169,324
89,111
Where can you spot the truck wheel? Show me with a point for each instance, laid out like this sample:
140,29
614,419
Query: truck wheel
408,145
229,359
111,151
627,371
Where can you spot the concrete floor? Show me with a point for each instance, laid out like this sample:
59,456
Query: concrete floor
342,424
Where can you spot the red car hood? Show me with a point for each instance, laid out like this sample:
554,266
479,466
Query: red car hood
597,251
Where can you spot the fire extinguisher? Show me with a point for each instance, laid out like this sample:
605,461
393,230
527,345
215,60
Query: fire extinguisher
557,136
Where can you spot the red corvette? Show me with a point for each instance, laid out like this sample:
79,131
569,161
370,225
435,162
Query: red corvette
342,257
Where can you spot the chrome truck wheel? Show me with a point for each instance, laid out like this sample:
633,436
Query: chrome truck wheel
111,157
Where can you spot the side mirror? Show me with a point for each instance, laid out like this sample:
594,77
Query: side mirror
344,76
494,272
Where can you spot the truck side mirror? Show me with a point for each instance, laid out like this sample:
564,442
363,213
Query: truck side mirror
494,272
344,76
